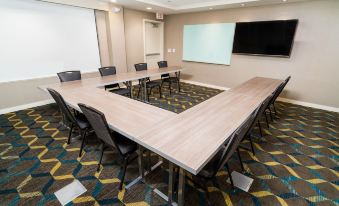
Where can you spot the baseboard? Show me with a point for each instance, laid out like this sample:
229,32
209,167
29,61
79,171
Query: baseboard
292,101
25,106
204,84
308,104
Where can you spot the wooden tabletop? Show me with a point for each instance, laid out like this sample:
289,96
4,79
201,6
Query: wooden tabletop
124,115
257,87
189,139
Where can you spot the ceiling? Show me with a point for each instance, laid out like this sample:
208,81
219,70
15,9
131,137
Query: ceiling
183,6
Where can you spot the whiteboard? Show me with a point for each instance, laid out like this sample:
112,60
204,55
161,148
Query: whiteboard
208,43
39,39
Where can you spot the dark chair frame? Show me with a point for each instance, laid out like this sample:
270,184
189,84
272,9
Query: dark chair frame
276,95
227,151
108,138
67,76
70,118
111,70
259,114
167,78
149,84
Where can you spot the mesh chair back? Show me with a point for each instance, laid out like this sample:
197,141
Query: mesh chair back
163,64
99,124
140,66
69,76
62,106
105,71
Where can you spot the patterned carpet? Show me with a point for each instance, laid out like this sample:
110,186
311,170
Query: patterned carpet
296,161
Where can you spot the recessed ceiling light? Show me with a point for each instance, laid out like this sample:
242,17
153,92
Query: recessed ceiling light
149,8
242,4
284,0
113,1
210,8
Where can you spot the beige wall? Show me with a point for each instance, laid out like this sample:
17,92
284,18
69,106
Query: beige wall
134,36
314,64
101,20
22,92
117,39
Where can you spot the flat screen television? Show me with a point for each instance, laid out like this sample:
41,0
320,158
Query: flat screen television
267,38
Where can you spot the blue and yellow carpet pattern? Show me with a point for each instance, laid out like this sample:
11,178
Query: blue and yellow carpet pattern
296,161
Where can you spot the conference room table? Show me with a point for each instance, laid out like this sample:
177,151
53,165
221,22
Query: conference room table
187,140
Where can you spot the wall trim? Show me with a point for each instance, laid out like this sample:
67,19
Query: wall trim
292,101
308,104
45,77
26,106
204,84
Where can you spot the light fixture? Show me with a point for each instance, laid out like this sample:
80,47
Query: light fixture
242,4
284,0
116,9
149,8
113,1
210,8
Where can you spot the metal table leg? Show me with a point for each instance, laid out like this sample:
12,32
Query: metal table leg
170,183
141,163
149,163
181,187
145,91
130,88
142,172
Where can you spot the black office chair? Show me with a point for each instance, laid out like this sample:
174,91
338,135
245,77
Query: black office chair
220,160
276,95
115,88
258,115
77,120
166,78
149,84
126,148
69,76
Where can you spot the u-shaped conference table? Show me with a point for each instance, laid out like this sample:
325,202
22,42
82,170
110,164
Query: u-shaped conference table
187,140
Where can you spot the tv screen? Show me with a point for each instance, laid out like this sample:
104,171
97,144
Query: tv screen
271,38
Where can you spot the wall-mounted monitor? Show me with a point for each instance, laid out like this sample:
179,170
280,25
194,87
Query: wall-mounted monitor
267,38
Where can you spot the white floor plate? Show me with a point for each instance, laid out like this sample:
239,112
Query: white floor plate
70,192
241,181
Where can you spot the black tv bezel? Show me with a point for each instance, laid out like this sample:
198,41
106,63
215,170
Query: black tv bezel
270,55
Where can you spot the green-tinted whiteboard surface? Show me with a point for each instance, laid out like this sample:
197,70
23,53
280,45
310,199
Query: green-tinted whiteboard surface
208,43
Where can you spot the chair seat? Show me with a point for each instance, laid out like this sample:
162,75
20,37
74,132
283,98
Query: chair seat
112,86
152,84
207,171
170,79
125,145
82,121
121,91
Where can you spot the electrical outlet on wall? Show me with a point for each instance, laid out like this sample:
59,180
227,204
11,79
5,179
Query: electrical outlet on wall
173,50
169,50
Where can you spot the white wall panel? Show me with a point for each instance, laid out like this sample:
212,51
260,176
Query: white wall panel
39,39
